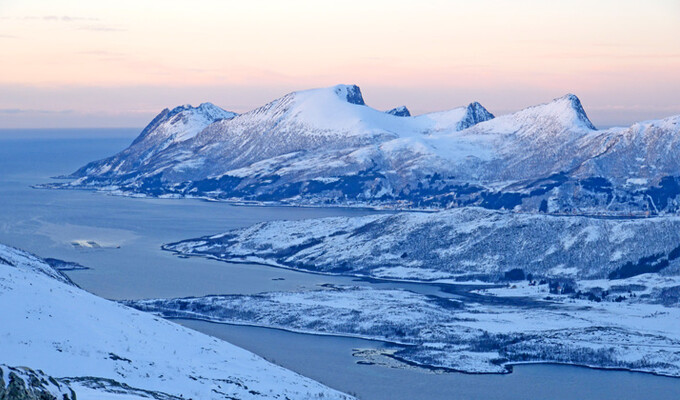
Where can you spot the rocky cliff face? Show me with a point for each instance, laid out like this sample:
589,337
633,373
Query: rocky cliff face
26,384
401,111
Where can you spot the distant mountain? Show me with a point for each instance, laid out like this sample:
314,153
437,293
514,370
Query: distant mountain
321,120
170,127
400,111
327,147
100,349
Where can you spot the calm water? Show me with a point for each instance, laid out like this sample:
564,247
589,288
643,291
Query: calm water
329,360
131,265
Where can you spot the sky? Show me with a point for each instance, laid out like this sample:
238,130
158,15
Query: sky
74,63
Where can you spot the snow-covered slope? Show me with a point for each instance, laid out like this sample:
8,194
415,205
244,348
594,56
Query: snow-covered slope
27,261
168,128
304,137
95,345
478,334
323,120
601,292
538,140
463,244
326,146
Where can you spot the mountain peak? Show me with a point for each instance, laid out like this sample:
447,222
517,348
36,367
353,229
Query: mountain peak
208,106
474,114
183,107
561,119
400,111
570,97
208,109
350,93
572,104
183,122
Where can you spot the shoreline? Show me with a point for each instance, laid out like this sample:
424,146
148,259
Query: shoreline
432,368
387,209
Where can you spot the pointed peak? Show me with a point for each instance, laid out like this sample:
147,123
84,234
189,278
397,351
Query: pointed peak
477,108
401,111
569,99
474,114
350,93
573,104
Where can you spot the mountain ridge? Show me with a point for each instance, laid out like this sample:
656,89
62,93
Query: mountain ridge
327,147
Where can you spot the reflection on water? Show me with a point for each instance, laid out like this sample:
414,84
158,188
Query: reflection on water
47,222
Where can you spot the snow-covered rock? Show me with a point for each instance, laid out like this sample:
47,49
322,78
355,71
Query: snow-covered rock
400,111
100,347
22,383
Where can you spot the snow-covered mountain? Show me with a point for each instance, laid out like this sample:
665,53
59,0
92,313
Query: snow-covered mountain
167,128
326,146
296,126
301,139
464,244
102,349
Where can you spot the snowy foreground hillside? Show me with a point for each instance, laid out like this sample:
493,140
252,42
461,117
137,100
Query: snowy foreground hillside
327,147
73,340
463,244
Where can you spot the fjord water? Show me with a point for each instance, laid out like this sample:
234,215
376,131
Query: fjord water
130,265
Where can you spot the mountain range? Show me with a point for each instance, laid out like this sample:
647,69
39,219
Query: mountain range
327,147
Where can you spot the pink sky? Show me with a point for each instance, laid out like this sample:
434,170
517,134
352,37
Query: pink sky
68,63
